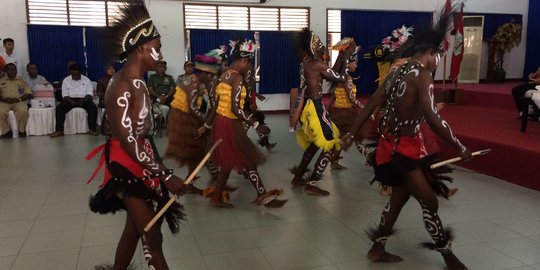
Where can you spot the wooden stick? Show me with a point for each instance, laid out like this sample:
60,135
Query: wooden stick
452,160
188,181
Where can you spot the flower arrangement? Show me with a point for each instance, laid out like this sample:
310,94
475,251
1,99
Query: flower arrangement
397,38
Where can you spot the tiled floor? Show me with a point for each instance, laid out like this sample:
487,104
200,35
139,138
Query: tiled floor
45,222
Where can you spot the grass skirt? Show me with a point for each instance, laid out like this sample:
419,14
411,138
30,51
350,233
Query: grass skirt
123,178
183,146
344,119
236,151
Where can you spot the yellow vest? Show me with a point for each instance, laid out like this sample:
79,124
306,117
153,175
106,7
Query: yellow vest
224,95
342,99
180,100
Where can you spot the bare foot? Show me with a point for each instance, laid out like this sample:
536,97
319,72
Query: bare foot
453,263
378,255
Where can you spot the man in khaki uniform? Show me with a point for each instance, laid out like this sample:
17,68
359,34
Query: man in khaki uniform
14,95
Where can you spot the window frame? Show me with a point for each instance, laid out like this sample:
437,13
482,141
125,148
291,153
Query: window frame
108,20
216,6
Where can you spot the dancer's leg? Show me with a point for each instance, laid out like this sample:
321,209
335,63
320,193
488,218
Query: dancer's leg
389,216
418,186
141,212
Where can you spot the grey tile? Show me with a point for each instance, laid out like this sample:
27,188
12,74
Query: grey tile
276,235
56,260
45,220
59,224
217,242
16,228
55,241
11,245
92,256
100,236
6,262
187,263
238,260
523,249
181,246
294,256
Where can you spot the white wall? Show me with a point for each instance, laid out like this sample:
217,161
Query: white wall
167,15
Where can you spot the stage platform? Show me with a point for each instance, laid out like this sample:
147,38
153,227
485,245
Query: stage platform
488,119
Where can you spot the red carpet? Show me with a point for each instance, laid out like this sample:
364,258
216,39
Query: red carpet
489,95
514,155
488,120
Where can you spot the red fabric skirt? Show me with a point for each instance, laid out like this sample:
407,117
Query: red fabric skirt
112,152
236,151
412,147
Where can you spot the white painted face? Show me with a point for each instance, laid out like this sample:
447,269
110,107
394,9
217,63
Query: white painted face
155,55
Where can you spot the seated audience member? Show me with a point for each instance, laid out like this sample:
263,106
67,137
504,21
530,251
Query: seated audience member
161,87
76,92
519,91
103,83
14,95
188,70
33,78
10,56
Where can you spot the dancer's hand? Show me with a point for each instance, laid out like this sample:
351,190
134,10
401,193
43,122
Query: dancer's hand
346,141
200,132
263,129
176,185
466,155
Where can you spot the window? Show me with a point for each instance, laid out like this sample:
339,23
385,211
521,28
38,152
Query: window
334,30
72,12
245,18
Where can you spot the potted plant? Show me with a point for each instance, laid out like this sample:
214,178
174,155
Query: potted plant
505,39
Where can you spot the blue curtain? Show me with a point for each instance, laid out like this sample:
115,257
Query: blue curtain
95,53
52,47
493,21
204,40
532,57
277,55
279,63
368,29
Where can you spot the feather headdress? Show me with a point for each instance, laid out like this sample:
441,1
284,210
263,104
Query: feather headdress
434,38
132,28
242,48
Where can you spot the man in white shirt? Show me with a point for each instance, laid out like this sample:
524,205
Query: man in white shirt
33,78
77,91
10,56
